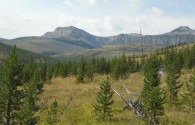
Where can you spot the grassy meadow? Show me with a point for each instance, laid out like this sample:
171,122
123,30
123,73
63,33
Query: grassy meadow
75,101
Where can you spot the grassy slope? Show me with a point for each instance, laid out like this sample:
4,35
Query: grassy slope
80,109
44,46
110,51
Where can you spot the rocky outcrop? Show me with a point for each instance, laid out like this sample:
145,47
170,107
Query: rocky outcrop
183,34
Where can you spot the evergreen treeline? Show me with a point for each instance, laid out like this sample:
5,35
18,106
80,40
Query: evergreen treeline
117,68
21,83
120,67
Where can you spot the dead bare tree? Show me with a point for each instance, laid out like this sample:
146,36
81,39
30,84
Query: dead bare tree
142,51
134,105
131,104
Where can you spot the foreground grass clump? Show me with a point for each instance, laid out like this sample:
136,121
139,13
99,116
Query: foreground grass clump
75,102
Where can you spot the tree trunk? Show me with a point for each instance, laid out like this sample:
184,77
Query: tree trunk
8,112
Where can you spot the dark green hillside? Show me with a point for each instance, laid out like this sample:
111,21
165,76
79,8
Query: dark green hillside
5,50
46,46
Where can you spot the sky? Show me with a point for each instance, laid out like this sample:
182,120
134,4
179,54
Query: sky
19,18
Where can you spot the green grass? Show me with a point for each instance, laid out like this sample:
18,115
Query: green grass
80,110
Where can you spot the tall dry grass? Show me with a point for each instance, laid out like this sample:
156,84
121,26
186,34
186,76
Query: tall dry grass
76,101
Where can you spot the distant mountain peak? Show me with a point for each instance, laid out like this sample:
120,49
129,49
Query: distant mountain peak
64,32
66,28
183,29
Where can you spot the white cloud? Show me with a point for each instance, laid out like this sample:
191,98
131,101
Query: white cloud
157,11
19,22
150,22
92,1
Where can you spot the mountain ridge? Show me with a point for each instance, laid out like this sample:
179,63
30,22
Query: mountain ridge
71,39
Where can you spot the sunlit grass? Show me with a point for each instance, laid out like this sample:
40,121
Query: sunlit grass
76,101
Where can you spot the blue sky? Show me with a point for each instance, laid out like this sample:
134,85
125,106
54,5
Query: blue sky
20,18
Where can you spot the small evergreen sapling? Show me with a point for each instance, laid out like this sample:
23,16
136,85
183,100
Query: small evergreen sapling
52,114
104,101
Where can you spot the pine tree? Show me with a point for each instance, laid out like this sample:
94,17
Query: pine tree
56,69
28,70
173,87
187,58
189,96
50,74
74,68
2,100
123,66
173,68
90,72
31,71
152,97
52,114
81,71
104,101
10,81
193,55
115,69
142,63
28,108
44,71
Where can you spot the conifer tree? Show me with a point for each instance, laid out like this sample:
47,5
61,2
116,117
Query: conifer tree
104,101
10,94
74,68
123,66
103,65
50,74
44,71
28,107
31,71
2,100
152,97
28,70
56,69
81,71
173,68
189,96
193,55
90,72
115,69
52,114
129,63
187,58
180,59
142,63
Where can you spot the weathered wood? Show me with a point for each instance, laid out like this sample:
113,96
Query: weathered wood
134,105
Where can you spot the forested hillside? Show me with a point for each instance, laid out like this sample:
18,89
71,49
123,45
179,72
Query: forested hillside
151,89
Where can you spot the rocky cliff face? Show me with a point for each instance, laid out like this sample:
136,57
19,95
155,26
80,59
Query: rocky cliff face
182,34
